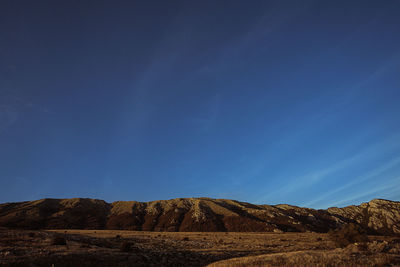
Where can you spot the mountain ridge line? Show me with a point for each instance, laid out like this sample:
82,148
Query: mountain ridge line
378,216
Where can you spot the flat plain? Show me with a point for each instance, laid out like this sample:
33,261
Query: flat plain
140,248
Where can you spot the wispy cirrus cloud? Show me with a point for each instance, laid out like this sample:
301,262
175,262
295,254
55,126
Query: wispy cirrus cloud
375,173
303,182
388,189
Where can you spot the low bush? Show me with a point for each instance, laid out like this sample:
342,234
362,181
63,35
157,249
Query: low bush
126,246
59,240
348,234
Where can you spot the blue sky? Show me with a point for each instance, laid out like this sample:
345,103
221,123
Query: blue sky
262,101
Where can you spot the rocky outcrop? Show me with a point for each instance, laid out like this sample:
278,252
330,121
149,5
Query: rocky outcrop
378,216
196,214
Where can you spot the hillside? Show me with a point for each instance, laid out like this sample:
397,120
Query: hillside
196,214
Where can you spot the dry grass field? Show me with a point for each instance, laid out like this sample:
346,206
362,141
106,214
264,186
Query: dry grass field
135,248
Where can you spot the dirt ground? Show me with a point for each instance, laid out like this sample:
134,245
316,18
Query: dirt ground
134,248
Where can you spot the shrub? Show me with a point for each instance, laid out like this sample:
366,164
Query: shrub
348,234
59,240
126,246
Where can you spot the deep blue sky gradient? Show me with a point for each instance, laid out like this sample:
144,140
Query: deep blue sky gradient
262,101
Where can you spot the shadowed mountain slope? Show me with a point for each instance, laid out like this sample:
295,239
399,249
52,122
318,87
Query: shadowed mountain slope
196,214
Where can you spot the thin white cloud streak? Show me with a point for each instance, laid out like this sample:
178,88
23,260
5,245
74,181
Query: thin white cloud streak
391,63
302,182
372,174
287,143
386,189
259,32
319,121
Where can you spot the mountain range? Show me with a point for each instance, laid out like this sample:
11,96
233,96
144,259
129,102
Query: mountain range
377,216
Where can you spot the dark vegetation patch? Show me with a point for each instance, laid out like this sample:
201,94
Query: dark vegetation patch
348,234
245,224
126,246
125,221
58,240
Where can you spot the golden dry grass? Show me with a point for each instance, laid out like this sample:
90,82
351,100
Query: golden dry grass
311,258
103,248
376,253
